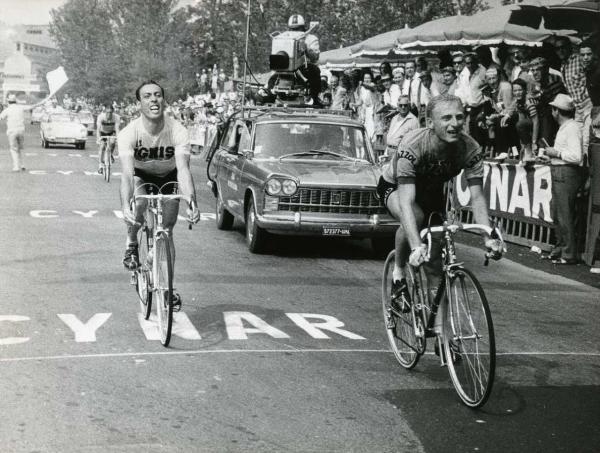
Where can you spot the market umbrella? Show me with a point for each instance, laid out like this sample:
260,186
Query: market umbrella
339,59
380,44
582,16
490,27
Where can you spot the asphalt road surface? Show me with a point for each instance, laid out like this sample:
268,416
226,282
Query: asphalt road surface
279,352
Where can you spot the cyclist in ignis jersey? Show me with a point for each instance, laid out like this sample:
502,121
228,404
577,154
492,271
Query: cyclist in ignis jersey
154,149
107,125
413,181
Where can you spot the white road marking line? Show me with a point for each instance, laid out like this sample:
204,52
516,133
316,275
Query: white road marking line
256,351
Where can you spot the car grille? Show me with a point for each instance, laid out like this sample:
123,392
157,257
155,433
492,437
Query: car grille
331,200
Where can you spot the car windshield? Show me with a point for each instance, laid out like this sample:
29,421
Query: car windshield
63,118
312,140
86,116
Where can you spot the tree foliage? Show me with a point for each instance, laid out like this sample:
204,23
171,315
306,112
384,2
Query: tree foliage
109,46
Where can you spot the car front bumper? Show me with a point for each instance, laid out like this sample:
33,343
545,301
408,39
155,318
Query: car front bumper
326,224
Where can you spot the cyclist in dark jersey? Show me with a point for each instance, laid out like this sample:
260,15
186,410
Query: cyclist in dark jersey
107,125
412,186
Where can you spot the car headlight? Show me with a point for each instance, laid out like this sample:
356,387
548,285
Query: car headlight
273,187
281,187
289,187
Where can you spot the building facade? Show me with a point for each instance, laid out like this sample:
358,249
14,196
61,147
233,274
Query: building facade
23,72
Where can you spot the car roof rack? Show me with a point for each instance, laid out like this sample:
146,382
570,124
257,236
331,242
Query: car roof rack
298,110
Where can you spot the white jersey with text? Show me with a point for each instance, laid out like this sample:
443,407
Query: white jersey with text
154,154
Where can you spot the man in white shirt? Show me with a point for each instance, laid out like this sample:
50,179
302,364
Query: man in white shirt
401,124
392,91
15,129
568,176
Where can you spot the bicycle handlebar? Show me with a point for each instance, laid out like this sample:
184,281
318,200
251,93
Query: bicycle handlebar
493,232
162,196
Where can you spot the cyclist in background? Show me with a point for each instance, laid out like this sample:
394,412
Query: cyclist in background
412,188
107,125
154,149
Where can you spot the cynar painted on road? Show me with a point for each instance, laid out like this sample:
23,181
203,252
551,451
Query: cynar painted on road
239,325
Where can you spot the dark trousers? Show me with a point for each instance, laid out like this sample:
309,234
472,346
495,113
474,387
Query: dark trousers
312,73
566,182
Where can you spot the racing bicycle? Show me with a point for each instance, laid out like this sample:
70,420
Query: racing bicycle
107,144
153,278
458,317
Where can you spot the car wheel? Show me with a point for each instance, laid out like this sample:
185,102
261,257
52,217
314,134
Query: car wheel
224,217
382,245
45,143
82,145
256,237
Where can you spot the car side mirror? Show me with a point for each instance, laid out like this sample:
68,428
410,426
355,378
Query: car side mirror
247,153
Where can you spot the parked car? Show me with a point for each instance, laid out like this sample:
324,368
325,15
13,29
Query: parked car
87,119
63,128
298,172
37,114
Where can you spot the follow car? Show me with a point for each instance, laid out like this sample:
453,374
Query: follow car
298,172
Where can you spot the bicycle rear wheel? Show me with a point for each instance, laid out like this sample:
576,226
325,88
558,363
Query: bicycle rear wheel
163,287
400,327
143,283
469,343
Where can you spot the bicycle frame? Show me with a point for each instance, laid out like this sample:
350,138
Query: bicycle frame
430,312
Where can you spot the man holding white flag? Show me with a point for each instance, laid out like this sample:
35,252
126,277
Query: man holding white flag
15,117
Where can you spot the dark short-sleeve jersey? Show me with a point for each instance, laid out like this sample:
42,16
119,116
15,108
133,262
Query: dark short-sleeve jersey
423,160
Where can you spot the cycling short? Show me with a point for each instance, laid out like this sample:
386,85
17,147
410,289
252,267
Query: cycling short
430,200
168,183
107,134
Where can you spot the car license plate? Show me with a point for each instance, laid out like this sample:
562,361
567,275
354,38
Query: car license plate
67,140
332,230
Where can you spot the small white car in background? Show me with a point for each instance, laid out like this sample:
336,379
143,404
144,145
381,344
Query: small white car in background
37,114
63,128
87,119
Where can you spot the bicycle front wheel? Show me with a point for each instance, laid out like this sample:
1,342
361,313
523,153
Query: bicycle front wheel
143,283
107,167
163,287
469,341
400,327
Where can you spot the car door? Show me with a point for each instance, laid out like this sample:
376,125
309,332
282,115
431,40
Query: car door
237,141
229,167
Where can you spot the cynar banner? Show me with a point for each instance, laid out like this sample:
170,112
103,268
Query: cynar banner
513,191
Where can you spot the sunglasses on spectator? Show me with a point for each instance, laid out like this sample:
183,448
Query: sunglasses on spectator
458,61
402,105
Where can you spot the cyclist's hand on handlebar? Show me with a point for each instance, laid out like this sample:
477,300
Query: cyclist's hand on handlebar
193,213
418,255
495,248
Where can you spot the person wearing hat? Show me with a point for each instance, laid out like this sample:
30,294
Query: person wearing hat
14,115
398,78
392,91
568,177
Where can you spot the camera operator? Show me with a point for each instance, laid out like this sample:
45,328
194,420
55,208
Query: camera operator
308,72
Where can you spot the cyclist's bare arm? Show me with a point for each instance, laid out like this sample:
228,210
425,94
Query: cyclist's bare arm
127,180
184,176
98,124
479,205
406,200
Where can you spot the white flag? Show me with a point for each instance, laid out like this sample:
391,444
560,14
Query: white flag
56,79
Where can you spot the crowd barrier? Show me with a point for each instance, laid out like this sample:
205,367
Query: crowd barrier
520,199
